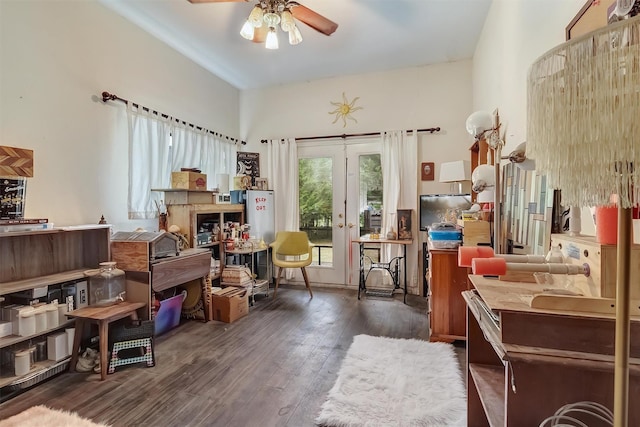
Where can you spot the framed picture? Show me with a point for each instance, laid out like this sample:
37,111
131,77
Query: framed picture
427,171
405,222
248,164
262,183
241,182
592,15
12,197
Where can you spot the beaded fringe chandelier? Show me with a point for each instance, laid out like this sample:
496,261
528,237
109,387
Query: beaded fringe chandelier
583,116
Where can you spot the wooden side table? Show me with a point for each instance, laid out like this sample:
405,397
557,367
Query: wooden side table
102,316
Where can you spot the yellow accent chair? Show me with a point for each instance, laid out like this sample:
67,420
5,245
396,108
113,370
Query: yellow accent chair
291,249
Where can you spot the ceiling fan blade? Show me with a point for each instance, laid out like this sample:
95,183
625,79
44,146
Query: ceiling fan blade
313,19
260,34
217,1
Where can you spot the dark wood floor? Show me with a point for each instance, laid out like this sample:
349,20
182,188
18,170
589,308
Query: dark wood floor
273,367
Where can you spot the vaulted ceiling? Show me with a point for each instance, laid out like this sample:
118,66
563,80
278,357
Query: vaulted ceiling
372,35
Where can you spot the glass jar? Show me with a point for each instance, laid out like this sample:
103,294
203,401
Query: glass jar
107,286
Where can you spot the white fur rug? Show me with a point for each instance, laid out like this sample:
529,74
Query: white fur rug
41,416
396,382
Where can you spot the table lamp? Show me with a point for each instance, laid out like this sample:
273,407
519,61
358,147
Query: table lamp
455,173
583,130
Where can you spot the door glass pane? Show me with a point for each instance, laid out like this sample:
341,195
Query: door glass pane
315,178
370,196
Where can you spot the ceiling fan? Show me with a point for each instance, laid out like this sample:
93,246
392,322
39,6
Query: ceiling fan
267,14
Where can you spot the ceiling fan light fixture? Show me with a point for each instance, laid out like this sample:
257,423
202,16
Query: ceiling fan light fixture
286,21
271,19
294,35
256,16
247,30
272,39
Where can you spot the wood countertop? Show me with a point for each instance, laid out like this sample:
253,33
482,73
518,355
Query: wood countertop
516,297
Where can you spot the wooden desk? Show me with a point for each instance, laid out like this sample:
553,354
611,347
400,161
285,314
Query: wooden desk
362,242
145,277
102,316
523,363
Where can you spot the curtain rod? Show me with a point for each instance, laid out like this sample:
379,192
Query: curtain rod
354,135
106,96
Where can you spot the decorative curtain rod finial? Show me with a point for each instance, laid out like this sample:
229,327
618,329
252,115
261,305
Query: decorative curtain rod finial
106,96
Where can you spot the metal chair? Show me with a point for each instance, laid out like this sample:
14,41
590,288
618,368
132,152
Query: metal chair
291,249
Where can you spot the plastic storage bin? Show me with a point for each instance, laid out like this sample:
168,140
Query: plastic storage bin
437,235
445,244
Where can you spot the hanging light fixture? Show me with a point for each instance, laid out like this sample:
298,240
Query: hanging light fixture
270,13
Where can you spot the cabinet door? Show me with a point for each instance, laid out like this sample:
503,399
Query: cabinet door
448,281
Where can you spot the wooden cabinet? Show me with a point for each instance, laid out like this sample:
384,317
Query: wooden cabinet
447,307
38,259
523,364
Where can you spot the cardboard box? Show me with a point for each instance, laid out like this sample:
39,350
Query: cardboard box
82,294
229,304
189,180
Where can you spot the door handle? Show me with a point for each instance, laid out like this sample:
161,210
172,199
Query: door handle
351,225
340,225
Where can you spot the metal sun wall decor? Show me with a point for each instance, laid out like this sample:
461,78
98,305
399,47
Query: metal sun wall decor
344,109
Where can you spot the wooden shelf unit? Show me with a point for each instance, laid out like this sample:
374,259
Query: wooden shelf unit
526,366
190,218
34,259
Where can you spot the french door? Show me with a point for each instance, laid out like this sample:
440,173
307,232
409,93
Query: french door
340,199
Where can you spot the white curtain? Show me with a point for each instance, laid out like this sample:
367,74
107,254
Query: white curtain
205,151
149,164
218,157
400,183
159,146
187,147
282,157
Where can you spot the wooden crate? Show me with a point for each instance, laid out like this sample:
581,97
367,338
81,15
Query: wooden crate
131,256
189,180
475,232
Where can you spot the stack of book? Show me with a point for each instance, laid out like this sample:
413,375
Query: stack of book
24,224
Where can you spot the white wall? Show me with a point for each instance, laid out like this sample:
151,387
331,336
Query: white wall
56,58
515,34
422,97
410,98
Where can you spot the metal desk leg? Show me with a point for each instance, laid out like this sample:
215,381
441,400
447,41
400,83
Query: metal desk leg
404,258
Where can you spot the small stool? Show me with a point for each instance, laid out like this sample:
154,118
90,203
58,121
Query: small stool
142,343
136,335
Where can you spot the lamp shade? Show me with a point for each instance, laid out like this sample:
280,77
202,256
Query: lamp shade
486,196
479,122
483,177
582,117
457,171
519,157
